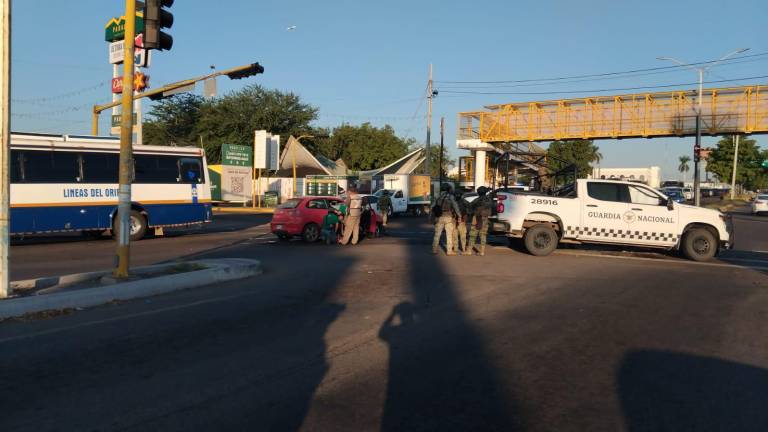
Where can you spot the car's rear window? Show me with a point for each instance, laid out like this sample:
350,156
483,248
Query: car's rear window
762,197
290,204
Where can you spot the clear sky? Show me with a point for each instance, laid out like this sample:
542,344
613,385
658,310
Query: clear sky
367,61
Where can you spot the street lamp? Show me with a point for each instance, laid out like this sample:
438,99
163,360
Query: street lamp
700,70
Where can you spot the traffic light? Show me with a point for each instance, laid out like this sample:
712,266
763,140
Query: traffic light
251,70
157,18
696,153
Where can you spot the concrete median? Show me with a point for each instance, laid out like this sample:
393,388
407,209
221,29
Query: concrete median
62,292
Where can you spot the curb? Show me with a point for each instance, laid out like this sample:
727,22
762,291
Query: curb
243,210
220,270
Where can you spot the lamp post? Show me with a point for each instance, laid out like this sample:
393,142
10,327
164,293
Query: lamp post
700,70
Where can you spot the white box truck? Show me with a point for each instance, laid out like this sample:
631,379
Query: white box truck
410,193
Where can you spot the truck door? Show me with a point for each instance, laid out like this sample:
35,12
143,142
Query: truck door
602,213
399,202
650,221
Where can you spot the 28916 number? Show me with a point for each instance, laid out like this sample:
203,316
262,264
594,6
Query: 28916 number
543,201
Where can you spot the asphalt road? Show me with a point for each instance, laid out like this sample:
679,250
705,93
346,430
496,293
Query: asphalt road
386,336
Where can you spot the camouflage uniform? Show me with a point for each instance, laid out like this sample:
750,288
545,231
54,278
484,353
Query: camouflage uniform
446,221
385,203
460,233
481,210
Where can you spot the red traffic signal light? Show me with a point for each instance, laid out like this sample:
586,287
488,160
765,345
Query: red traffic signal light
155,19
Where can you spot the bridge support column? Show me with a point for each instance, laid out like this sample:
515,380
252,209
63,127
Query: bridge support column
480,168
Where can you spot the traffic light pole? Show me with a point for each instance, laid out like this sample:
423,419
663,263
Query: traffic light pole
126,147
5,143
97,109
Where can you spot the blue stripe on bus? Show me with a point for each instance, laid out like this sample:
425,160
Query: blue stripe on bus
40,219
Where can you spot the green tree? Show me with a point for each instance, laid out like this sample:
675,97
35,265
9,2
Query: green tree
749,173
580,153
684,167
229,119
362,147
173,121
434,161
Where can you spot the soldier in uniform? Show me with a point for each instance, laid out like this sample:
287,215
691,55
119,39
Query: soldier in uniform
385,204
447,208
460,233
480,210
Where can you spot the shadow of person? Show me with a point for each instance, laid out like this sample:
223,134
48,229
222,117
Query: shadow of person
669,391
440,376
312,342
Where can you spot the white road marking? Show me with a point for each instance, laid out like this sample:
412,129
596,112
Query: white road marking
662,260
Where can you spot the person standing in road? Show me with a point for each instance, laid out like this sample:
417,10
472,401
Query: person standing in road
481,211
460,233
444,212
354,204
385,204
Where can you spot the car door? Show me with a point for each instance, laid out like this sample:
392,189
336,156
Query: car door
602,213
316,209
650,221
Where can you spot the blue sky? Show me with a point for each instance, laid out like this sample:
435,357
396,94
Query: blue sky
364,61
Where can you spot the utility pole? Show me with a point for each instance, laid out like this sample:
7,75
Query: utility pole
442,136
735,163
697,146
429,121
126,146
5,137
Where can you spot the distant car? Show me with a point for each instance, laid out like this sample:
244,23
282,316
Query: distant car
302,216
760,204
676,195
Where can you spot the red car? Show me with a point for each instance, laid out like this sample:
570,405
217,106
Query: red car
302,216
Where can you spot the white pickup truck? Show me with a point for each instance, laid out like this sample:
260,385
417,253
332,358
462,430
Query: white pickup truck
602,211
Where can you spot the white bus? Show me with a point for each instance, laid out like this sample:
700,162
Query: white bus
70,183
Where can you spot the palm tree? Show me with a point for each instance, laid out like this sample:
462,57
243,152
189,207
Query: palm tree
684,167
597,157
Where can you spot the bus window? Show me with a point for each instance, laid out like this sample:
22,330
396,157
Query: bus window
156,169
51,167
16,174
191,170
101,167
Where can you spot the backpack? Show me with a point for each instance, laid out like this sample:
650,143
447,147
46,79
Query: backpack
483,206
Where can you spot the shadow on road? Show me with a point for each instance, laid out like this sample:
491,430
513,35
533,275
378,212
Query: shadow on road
440,377
669,391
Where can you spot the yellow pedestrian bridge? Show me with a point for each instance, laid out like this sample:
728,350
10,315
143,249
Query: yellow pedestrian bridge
643,115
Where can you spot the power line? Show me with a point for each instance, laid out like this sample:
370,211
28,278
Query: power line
602,90
539,84
605,73
60,96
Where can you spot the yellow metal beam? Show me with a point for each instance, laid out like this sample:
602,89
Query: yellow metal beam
642,115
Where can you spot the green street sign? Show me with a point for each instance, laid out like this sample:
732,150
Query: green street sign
236,155
116,119
115,28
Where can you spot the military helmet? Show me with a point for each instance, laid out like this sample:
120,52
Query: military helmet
482,190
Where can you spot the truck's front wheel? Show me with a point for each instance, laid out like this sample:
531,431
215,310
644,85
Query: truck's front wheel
540,240
699,244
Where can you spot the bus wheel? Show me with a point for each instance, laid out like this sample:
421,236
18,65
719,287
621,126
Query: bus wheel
138,224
